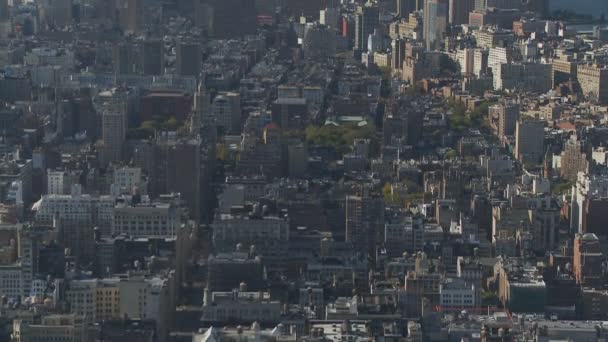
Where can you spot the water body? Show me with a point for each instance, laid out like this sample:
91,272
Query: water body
587,7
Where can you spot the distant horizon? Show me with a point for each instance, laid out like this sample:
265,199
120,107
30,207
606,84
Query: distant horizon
586,7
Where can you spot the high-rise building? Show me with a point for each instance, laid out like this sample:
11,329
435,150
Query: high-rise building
188,59
329,17
114,133
135,15
588,257
4,15
179,170
405,7
574,159
124,59
232,18
459,11
226,112
593,80
435,22
397,54
364,221
366,20
529,141
202,107
152,57
507,115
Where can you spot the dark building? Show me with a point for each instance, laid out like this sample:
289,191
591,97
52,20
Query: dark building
226,271
588,257
152,57
364,221
178,170
163,105
135,15
125,61
188,59
366,20
459,11
232,18
595,210
289,112
405,7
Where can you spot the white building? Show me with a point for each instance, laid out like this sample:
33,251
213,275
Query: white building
86,209
457,294
155,219
466,59
11,281
585,187
53,328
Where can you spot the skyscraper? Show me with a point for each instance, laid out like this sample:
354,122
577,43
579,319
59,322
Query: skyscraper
459,11
405,7
364,220
398,54
152,57
587,265
233,18
135,15
179,170
435,22
529,141
201,107
114,130
124,61
366,20
226,112
4,15
188,58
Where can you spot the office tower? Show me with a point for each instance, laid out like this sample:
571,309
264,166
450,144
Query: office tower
201,108
397,54
226,112
459,11
593,80
179,170
529,141
232,18
124,59
405,7
188,59
506,116
329,17
114,131
364,221
4,15
587,265
435,22
366,20
135,15
152,57
56,13
574,159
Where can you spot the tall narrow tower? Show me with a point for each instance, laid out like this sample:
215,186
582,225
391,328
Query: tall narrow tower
202,105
